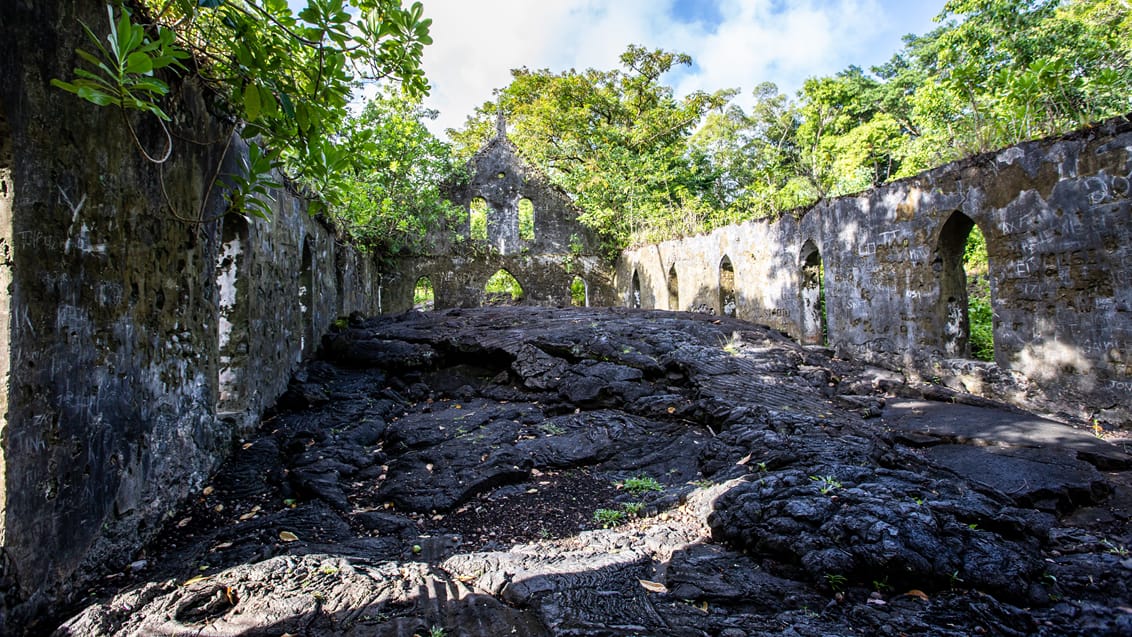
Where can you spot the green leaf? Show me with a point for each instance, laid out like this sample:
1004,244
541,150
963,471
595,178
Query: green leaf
139,63
96,96
66,86
251,102
269,107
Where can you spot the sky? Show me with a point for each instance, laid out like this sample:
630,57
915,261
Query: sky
734,43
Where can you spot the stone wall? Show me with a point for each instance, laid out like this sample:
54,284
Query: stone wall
143,332
458,264
1056,217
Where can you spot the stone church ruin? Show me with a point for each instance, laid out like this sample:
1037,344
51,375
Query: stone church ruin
526,228
139,353
1055,214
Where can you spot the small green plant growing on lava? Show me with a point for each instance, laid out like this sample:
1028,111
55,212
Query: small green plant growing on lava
826,484
633,508
640,485
1118,550
836,581
609,518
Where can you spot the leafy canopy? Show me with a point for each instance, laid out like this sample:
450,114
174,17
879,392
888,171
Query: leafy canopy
287,80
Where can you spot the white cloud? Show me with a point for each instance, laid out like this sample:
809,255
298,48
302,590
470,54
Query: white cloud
477,42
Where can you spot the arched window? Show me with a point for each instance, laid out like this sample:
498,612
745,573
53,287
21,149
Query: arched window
340,267
980,316
635,292
502,289
727,305
964,307
424,299
526,220
814,325
579,292
232,314
306,297
477,219
673,289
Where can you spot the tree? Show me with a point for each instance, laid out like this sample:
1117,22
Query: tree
285,79
1019,69
389,172
755,157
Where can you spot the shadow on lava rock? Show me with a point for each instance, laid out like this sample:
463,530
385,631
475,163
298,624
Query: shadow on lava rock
534,471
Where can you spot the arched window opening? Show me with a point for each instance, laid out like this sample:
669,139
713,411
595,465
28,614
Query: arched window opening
306,297
526,220
635,292
964,308
424,299
340,267
980,316
232,314
502,289
673,289
477,219
579,292
815,329
727,305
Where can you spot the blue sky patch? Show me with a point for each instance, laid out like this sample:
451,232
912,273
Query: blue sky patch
703,11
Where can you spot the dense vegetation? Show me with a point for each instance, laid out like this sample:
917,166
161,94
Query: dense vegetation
286,82
645,165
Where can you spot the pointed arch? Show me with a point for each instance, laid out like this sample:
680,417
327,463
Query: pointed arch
727,303
503,289
635,291
477,219
306,297
673,289
954,307
579,292
340,267
424,296
232,323
814,324
526,220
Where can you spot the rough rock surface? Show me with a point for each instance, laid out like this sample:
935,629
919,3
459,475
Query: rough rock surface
521,471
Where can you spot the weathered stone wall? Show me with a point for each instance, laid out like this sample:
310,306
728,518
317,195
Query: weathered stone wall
458,265
140,345
1055,214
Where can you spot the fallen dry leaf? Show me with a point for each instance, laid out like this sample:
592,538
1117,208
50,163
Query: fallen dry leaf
288,536
915,592
653,587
